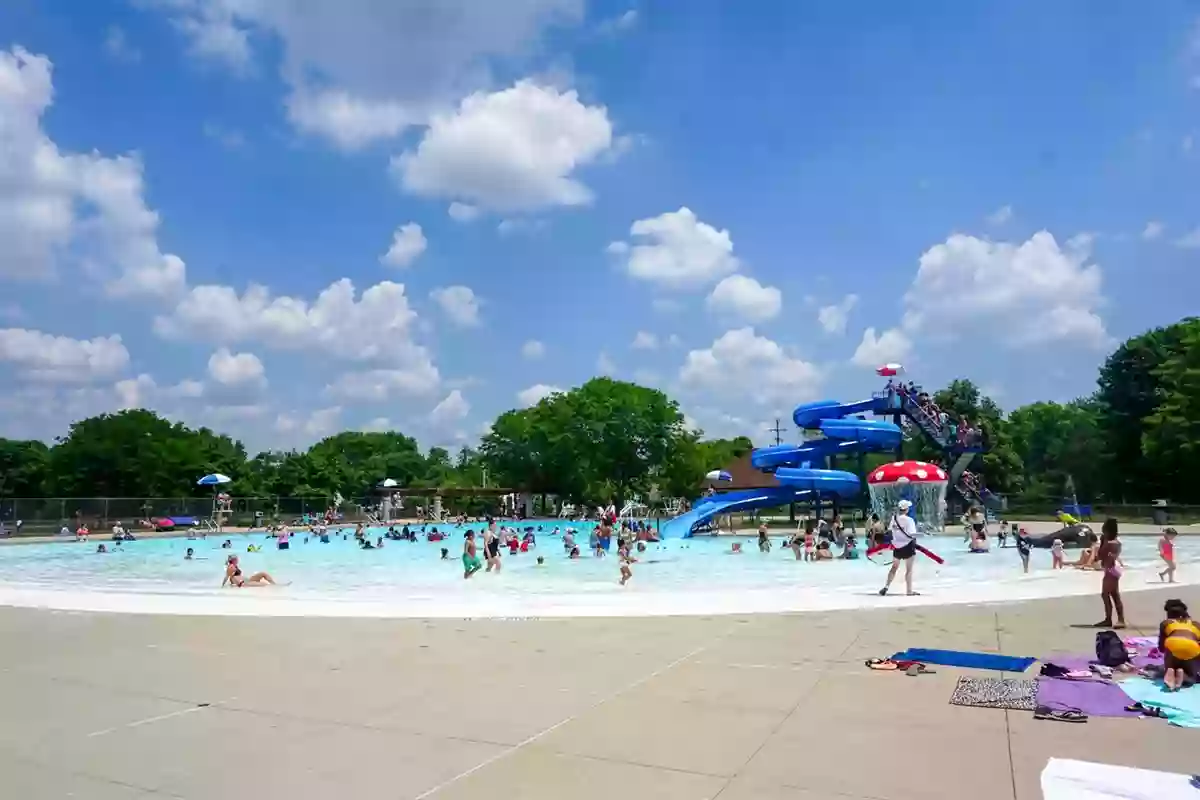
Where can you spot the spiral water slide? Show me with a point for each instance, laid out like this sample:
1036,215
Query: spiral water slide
792,464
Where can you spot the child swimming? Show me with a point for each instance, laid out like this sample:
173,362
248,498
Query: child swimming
470,560
626,559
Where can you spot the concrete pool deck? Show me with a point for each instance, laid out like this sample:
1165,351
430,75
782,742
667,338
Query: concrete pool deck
769,706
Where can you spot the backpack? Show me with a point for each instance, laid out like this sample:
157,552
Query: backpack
1110,650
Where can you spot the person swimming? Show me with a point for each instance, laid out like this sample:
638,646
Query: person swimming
189,555
470,559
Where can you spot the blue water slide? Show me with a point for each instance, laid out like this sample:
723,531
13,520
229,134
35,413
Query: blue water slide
796,466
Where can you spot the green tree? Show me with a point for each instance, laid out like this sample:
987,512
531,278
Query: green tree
1130,391
1000,466
1171,434
23,468
1058,444
138,454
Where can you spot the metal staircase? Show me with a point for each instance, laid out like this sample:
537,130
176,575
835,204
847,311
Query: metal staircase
960,465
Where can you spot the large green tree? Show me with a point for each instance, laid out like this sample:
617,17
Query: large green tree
1171,435
1060,447
1130,392
23,468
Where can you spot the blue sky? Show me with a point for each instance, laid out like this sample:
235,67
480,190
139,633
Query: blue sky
747,205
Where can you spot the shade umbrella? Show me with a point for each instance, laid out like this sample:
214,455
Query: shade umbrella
889,370
215,479
718,475
389,483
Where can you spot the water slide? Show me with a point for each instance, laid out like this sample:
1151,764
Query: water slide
792,464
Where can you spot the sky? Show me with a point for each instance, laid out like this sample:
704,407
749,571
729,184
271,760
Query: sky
282,218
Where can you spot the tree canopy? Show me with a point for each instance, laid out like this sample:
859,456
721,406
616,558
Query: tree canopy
1137,438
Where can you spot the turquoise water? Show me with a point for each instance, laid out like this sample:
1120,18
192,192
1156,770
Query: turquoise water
697,575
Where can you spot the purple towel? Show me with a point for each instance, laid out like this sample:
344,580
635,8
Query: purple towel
1093,698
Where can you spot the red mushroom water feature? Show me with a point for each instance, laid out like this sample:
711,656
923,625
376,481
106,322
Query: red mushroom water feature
921,483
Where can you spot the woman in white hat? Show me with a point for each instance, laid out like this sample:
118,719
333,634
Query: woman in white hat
904,546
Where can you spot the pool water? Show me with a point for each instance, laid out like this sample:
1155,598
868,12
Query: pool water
405,579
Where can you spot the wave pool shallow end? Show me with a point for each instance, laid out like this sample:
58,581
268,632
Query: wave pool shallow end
405,580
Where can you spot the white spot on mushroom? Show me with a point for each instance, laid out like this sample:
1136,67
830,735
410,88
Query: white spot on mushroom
941,475
902,479
879,475
922,474
897,463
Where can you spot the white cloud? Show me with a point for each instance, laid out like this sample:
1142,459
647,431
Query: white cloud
1153,230
378,425
516,149
533,350
741,364
644,340
375,327
646,377
1000,216
450,411
462,212
743,298
350,123
408,242
533,395
58,206
144,392
1189,240
314,424
117,45
236,369
605,365
416,379
833,318
458,303
621,22
511,227
677,250
360,71
968,287
674,341
1188,141
60,359
892,345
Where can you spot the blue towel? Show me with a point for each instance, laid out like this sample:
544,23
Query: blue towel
956,658
1181,708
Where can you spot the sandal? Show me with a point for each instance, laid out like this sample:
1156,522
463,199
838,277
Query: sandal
1060,715
882,664
919,669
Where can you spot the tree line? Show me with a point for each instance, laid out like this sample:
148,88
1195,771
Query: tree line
1135,439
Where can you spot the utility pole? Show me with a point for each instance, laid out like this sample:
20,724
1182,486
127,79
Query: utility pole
778,431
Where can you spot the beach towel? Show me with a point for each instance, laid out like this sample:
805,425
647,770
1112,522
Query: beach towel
1094,698
1015,694
1067,779
1181,708
955,658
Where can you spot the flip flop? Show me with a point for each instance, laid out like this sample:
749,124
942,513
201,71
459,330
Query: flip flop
1060,715
882,664
918,669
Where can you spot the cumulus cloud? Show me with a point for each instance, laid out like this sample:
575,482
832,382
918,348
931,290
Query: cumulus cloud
414,379
459,303
743,298
533,395
676,250
1000,216
511,150
1153,230
450,411
967,286
408,242
622,22
362,71
462,212
60,359
313,424
533,350
1189,240
82,207
376,326
236,370
740,364
833,318
892,345
143,391
644,340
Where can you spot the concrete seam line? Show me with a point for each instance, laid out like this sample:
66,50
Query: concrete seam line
487,762
160,717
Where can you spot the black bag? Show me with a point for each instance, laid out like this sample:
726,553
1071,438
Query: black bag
1110,650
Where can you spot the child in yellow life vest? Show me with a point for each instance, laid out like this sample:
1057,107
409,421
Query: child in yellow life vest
1179,641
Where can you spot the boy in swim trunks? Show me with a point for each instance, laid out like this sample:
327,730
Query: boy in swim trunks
1166,551
1179,641
471,563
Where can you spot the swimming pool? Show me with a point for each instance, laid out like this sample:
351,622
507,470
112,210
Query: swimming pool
694,576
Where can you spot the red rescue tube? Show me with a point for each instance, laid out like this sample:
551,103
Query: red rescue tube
932,556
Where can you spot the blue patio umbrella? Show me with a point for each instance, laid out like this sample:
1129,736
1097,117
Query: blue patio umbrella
215,479
718,475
